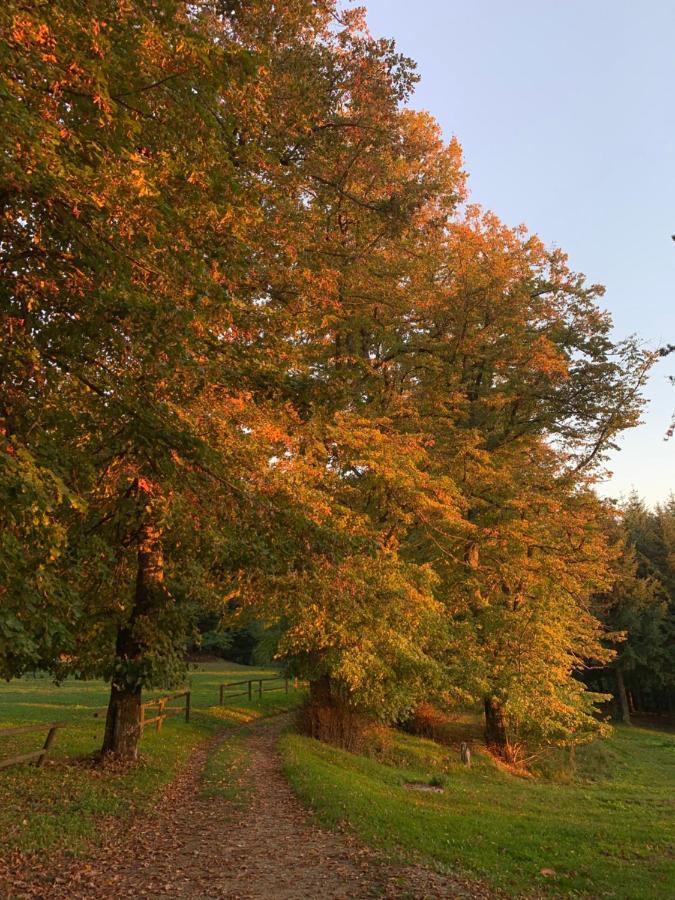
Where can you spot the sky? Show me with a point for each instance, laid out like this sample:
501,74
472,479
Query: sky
565,112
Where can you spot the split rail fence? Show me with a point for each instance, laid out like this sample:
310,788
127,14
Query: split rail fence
249,691
37,755
249,688
160,704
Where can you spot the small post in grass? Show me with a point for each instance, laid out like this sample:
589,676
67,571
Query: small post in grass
187,706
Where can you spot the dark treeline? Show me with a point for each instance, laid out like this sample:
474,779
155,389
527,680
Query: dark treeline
641,607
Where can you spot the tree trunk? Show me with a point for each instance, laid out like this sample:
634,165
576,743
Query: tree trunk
622,697
328,717
639,702
319,690
495,728
123,722
122,729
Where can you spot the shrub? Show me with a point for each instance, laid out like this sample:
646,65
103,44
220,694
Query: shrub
428,721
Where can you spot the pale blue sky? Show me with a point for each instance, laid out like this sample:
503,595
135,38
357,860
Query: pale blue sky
565,112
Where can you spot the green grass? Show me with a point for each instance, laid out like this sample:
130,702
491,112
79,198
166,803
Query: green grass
61,805
608,832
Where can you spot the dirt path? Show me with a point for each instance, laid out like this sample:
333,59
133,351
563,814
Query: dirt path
195,848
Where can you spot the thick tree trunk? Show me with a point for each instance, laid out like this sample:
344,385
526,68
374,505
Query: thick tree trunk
495,728
621,695
122,730
328,717
319,690
122,724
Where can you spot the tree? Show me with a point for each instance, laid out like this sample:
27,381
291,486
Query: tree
137,232
362,621
522,392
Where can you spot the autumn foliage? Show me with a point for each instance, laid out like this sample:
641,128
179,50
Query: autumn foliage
261,356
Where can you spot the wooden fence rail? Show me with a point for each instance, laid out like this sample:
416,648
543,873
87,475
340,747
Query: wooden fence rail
163,710
249,682
37,755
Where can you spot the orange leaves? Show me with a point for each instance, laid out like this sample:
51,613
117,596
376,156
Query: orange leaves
143,188
198,178
26,31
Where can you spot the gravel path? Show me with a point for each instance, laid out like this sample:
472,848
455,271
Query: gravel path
188,847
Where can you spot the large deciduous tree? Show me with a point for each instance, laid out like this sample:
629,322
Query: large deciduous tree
139,225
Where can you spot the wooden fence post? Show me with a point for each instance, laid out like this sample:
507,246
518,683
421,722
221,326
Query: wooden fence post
260,688
51,734
187,706
160,715
221,694
250,690
36,757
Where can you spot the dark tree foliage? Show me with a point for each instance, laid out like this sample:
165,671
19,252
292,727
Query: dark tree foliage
641,609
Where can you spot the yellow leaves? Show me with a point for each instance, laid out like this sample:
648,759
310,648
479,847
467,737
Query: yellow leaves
198,178
139,181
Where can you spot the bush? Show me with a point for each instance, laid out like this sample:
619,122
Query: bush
428,721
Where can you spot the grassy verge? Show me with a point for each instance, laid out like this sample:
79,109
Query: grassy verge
607,832
60,807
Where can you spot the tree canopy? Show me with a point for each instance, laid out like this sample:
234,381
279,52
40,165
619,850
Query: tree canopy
261,357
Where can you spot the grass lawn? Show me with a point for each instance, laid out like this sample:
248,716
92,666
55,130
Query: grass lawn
608,831
60,806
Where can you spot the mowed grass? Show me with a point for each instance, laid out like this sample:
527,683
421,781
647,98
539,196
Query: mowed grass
607,830
62,805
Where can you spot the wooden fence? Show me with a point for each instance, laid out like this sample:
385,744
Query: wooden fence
37,755
260,690
163,710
